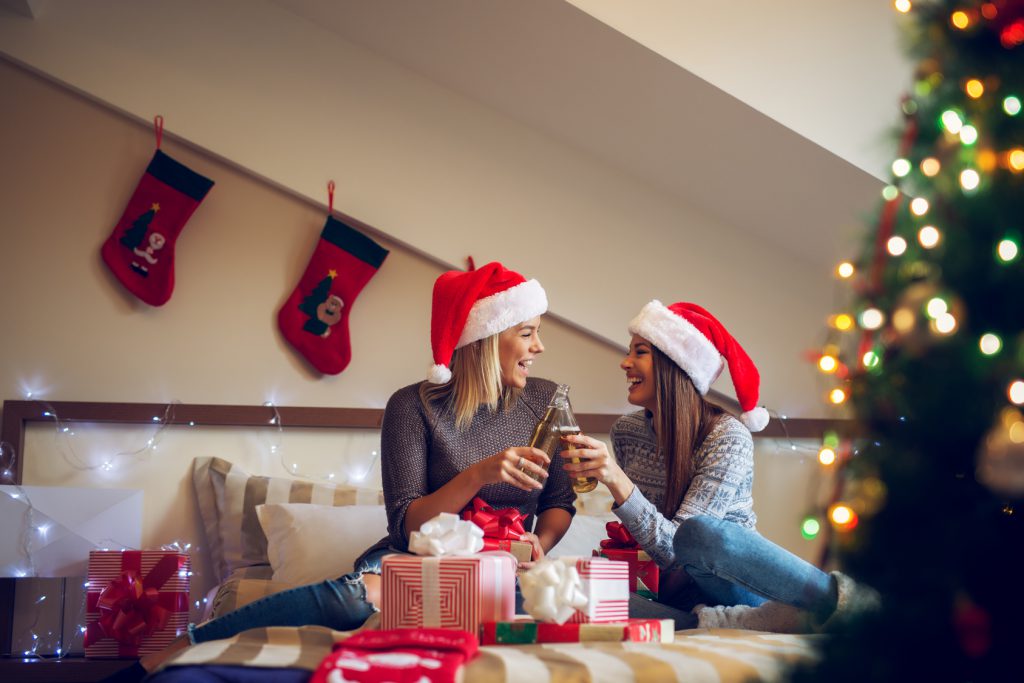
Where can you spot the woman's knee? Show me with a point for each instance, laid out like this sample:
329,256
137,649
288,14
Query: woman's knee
696,535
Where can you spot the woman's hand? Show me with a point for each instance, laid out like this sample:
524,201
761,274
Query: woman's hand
595,461
538,550
514,466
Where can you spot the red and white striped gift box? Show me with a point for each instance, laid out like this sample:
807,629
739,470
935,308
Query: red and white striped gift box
447,592
165,572
606,585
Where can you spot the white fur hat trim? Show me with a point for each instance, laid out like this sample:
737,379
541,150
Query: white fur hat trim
680,341
500,311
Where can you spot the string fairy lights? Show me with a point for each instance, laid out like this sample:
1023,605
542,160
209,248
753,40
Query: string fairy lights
51,645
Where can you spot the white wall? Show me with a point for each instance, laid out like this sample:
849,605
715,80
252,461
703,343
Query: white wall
276,95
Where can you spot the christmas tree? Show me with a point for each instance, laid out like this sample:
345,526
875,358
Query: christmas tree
929,358
134,235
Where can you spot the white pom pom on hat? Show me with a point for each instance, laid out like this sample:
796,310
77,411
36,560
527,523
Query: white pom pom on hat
701,346
475,304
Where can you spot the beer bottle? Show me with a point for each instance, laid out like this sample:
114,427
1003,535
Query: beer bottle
557,422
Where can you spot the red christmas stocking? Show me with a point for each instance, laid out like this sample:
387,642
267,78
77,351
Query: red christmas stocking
140,251
314,319
404,655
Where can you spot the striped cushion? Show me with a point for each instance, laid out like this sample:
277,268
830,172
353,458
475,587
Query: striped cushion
228,495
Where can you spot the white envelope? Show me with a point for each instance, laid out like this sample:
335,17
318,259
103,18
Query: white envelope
66,523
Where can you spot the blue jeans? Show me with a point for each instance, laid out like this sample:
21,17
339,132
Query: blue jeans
731,565
339,604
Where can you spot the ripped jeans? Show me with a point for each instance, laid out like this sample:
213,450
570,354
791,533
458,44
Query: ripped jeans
339,604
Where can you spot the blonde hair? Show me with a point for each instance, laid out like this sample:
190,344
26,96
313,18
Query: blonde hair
475,382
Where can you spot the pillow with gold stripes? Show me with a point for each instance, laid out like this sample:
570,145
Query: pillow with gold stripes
227,497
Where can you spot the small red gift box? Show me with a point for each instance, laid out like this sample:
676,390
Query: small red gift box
503,528
527,631
643,571
459,592
137,601
606,585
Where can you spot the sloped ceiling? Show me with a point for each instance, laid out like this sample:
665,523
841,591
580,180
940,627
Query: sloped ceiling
616,151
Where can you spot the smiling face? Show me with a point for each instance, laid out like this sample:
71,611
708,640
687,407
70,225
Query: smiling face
517,347
639,367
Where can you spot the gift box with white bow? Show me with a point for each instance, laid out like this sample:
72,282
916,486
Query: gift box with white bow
577,590
446,585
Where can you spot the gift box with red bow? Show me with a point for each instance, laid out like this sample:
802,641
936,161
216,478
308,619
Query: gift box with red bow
137,601
643,572
451,591
528,631
503,528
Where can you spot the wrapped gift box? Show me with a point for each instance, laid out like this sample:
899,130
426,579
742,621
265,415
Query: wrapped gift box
527,631
521,550
644,574
606,585
459,592
137,601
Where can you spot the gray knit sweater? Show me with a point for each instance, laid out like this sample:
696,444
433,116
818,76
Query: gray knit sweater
422,452
721,485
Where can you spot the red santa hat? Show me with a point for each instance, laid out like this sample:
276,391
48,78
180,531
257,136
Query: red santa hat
701,346
475,304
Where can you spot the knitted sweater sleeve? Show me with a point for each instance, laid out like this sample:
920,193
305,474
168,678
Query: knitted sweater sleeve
404,453
725,460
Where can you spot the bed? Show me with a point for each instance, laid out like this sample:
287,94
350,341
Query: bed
249,528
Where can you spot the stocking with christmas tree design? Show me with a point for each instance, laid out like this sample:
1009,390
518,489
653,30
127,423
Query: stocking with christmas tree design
314,319
140,250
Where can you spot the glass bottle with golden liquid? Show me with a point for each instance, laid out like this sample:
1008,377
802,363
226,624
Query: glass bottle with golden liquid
557,422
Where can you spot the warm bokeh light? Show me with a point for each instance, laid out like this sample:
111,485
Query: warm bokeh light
969,179
828,364
896,245
845,270
1011,105
990,344
945,323
903,320
968,135
901,5
930,167
935,307
989,10
974,88
928,236
871,318
826,456
843,322
952,121
871,359
959,19
1016,392
919,206
1015,160
842,516
1007,250
901,167
837,396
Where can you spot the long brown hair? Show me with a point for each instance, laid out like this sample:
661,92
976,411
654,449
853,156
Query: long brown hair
476,381
683,422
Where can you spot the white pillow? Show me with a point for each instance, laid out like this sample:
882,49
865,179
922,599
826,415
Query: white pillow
309,543
584,535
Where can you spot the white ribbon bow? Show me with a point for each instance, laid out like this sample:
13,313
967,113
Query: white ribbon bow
552,590
446,534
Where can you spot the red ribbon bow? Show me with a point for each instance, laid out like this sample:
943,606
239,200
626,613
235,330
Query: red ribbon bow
618,537
506,524
129,606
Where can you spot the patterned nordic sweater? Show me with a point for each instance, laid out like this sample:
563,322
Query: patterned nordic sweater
721,485
420,453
